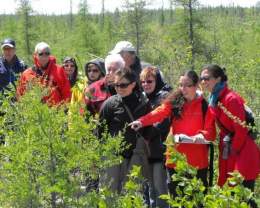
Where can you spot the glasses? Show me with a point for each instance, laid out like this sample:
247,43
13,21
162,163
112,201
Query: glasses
44,53
69,65
122,85
93,70
205,78
147,82
186,85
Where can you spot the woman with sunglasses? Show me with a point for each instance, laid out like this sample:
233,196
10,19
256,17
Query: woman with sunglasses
48,74
225,104
95,70
156,90
184,106
116,111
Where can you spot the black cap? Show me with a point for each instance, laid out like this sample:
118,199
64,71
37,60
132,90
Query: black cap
8,42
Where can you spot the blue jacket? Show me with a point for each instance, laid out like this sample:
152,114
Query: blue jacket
9,73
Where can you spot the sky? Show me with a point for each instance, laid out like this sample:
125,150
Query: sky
63,6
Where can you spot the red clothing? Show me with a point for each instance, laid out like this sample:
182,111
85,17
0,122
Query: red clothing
95,95
53,77
245,155
191,123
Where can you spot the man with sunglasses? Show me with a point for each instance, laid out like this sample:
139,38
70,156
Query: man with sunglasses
10,66
96,93
48,74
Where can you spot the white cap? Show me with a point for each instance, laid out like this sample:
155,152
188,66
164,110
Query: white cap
123,46
42,46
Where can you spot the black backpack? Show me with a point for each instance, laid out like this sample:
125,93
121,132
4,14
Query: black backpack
250,122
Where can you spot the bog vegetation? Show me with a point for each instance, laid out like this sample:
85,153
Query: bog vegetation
39,171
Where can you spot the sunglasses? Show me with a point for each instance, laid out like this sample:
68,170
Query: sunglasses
206,78
93,70
69,65
44,53
122,85
147,82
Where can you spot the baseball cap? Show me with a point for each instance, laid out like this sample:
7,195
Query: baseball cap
8,42
123,46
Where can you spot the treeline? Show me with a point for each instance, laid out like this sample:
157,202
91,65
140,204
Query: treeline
186,37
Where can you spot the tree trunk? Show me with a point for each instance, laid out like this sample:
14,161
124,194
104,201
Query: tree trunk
191,33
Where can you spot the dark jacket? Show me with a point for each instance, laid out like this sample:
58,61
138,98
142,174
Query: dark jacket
157,148
136,66
9,73
117,118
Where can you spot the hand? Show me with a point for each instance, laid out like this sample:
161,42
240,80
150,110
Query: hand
197,137
136,125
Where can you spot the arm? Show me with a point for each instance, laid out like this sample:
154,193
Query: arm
157,115
209,130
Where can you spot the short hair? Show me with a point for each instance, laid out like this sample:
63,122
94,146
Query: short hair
149,71
42,46
114,58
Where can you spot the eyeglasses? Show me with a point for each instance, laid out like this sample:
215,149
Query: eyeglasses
186,85
69,65
205,78
93,70
147,81
122,85
44,53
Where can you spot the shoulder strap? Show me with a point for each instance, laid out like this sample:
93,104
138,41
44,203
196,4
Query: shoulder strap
204,107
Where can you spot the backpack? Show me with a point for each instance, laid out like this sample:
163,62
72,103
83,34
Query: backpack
250,122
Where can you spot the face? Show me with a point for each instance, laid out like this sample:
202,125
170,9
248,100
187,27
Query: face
187,88
129,57
110,76
123,86
148,84
8,53
69,68
43,58
207,81
93,72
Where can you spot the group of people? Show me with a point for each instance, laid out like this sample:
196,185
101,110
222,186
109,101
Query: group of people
133,99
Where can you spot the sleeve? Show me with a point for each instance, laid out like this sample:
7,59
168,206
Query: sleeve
236,108
157,115
209,130
65,87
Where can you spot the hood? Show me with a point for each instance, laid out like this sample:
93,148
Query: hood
99,63
52,60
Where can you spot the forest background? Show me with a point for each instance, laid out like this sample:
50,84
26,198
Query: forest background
185,35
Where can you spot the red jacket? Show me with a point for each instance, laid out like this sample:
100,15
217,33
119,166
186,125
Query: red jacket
95,94
52,77
245,155
191,123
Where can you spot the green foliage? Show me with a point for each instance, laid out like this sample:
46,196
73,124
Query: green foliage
49,154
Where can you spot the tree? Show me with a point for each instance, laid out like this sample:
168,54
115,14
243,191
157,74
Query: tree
136,19
189,8
24,11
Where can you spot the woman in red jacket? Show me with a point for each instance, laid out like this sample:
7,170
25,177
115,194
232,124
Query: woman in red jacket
185,108
225,104
48,74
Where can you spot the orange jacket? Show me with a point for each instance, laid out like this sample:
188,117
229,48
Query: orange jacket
52,77
191,123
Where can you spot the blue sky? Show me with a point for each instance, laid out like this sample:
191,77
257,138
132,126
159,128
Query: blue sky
62,6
